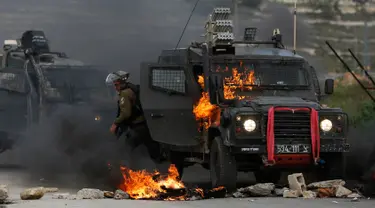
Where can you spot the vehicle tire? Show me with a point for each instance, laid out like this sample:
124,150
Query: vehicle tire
267,176
223,167
334,168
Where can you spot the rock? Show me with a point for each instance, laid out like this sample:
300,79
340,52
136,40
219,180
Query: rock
355,199
3,193
326,184
238,194
280,192
309,194
50,189
296,182
32,193
260,189
354,195
326,192
109,194
341,191
88,193
291,194
61,196
119,194
74,197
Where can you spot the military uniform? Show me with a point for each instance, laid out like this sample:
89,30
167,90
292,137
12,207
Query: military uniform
130,115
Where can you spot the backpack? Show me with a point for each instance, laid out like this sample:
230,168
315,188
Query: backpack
136,90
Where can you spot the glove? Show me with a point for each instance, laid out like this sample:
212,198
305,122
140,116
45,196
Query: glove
113,128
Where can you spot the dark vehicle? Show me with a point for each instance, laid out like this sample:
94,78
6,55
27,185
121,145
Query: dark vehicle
249,106
34,80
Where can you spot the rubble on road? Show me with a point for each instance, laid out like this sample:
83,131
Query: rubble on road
291,193
326,184
341,191
354,195
296,189
309,194
50,189
280,191
60,196
119,194
260,189
296,182
109,194
3,193
326,192
88,193
32,193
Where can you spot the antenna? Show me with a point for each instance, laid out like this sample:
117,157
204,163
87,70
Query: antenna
295,28
187,23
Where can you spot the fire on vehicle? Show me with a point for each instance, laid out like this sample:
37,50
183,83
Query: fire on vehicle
242,106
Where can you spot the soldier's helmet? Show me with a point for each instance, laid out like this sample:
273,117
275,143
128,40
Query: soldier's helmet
119,76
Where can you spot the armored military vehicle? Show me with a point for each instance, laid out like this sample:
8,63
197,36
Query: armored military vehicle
249,106
34,80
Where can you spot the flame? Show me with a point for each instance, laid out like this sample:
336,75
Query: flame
208,114
145,185
203,110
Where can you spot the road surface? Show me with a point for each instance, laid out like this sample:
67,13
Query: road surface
16,182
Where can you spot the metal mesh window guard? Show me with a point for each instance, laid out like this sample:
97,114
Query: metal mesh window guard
169,79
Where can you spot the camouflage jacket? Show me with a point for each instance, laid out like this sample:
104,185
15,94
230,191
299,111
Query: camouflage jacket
127,108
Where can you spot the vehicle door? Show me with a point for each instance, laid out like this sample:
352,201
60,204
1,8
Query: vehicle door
168,104
13,99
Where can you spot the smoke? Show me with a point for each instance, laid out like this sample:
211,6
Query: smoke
119,34
68,143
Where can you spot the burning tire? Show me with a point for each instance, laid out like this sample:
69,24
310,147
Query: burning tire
267,176
223,167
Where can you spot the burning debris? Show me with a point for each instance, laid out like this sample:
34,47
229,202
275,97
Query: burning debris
145,185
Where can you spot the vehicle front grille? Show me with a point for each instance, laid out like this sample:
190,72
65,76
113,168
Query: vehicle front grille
292,125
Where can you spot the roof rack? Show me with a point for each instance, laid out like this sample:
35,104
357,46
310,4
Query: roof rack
219,32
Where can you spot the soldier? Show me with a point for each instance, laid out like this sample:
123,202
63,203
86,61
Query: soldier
130,117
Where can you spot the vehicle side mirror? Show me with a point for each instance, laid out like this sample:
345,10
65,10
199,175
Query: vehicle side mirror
329,86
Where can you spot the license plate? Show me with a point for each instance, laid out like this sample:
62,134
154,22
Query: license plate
292,148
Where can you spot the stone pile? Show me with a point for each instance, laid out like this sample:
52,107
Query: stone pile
297,188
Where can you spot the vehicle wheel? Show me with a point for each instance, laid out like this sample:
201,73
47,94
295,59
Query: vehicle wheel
267,176
334,168
223,167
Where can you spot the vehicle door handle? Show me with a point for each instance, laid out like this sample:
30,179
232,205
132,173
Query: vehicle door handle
157,115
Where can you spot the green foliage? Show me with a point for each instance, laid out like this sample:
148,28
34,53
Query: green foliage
354,101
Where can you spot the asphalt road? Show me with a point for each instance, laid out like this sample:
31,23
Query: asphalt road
15,179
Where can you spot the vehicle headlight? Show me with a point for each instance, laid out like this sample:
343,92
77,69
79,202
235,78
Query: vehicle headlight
326,125
97,118
249,125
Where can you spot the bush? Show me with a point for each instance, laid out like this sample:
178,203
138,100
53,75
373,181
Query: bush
354,101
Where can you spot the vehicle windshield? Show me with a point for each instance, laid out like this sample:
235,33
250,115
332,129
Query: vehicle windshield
77,85
262,75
